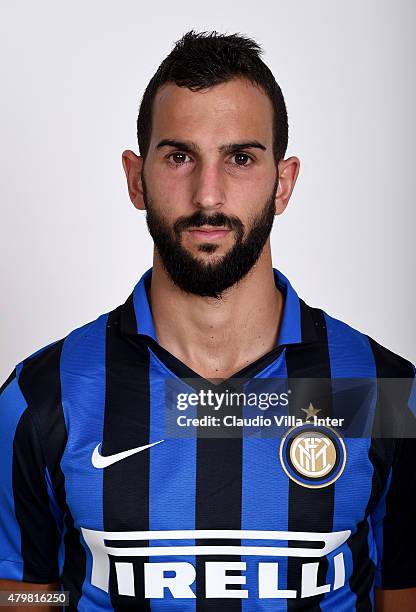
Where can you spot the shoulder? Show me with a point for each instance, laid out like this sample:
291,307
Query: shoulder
351,343
353,355
35,381
46,362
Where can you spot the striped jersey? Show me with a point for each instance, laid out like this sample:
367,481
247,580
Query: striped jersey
96,496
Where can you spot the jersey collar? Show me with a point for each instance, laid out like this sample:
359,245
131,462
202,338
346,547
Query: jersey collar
296,325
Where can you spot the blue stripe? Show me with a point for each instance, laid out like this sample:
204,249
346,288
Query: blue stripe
265,495
412,397
372,548
83,399
172,479
350,357
12,406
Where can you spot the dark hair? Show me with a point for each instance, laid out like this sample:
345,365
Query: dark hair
202,59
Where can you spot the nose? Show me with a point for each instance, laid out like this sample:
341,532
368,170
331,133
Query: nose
208,188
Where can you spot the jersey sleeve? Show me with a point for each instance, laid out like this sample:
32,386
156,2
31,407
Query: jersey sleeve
30,526
394,521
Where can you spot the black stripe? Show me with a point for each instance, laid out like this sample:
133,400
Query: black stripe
309,509
388,365
310,322
218,505
399,531
398,526
38,530
128,323
41,385
126,425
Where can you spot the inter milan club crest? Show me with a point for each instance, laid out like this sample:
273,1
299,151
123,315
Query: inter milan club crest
313,455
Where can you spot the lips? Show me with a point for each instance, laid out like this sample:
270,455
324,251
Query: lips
209,233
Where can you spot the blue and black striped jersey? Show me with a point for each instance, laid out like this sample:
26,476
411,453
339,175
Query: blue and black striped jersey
96,496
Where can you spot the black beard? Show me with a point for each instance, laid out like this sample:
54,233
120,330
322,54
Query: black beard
209,279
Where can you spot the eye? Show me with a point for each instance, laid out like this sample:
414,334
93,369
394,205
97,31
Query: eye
242,158
177,158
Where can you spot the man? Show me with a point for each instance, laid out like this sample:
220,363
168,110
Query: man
103,497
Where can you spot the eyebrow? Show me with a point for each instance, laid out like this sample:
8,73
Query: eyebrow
191,147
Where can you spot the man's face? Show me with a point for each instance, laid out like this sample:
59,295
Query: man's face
209,183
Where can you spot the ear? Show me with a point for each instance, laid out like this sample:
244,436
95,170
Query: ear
132,165
288,170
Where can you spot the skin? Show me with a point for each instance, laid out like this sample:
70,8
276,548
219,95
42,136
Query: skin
26,587
216,338
400,600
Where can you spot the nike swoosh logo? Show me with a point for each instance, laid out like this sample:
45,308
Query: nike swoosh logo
99,461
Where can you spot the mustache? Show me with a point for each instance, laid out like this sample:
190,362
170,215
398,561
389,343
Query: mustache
199,219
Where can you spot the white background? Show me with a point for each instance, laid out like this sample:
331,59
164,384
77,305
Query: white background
72,76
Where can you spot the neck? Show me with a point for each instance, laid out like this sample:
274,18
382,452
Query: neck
217,338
